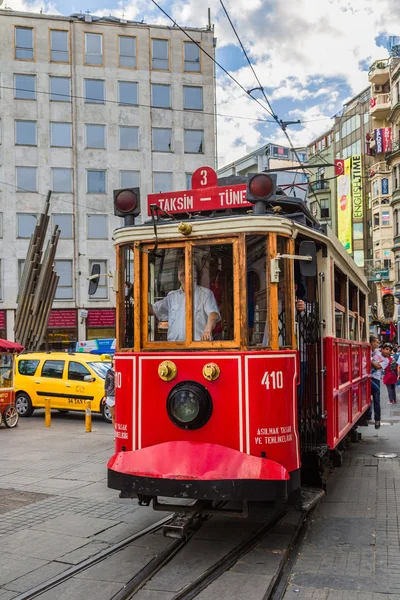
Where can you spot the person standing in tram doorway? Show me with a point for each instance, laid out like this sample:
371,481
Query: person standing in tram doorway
109,390
376,375
173,307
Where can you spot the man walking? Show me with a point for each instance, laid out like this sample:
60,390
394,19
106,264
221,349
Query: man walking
376,374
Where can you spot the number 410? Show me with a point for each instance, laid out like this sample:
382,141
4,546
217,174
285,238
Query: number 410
274,379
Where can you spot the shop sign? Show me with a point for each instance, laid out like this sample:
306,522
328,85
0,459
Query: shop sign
62,319
356,185
103,317
2,319
345,207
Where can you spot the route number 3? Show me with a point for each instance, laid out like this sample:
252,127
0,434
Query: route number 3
203,174
273,380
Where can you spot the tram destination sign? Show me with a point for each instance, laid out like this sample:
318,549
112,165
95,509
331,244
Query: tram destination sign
205,195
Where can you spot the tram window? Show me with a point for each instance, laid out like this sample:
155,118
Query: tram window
127,298
353,311
167,315
213,316
284,295
339,323
340,283
363,332
256,247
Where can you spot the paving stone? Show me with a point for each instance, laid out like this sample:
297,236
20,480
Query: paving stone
34,578
82,553
76,525
236,586
14,566
40,544
80,589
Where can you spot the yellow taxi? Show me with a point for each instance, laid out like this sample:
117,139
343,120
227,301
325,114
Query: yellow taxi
68,379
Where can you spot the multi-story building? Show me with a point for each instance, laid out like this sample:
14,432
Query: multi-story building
88,105
321,191
350,129
381,265
272,156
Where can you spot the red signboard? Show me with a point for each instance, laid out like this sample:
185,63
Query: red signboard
102,317
204,195
2,319
62,319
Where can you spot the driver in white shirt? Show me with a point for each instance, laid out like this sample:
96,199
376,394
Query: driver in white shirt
173,307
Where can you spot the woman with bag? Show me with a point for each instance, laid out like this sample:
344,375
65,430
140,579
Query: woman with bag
390,372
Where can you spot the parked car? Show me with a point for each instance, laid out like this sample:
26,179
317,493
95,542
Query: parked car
68,379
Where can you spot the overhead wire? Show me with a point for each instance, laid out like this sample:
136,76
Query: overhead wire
141,105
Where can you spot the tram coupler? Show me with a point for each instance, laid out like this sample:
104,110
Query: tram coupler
181,526
309,497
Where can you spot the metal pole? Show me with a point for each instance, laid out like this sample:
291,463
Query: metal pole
47,412
88,416
321,341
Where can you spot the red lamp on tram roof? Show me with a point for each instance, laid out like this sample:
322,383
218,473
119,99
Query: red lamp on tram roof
127,204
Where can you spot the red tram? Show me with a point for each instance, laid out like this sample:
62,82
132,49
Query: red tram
242,360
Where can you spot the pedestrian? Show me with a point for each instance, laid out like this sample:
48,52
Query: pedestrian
390,367
109,390
376,374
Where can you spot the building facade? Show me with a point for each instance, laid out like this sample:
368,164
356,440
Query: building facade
322,184
88,105
272,156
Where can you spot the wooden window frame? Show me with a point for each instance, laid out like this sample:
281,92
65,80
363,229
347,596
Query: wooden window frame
198,44
143,286
33,42
119,54
169,54
60,62
85,64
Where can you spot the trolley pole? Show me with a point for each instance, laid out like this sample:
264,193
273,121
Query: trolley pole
88,416
47,412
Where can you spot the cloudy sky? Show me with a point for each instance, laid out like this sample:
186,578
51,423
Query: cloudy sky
310,56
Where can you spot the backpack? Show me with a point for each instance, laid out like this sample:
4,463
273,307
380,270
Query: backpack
390,373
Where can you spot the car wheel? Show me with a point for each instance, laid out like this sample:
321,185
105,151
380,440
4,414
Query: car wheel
10,416
23,404
105,411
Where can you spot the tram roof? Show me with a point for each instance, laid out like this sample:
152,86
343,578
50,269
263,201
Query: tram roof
233,224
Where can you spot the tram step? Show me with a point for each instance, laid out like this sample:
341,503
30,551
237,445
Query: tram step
310,497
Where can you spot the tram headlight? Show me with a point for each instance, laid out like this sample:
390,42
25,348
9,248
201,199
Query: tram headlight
189,405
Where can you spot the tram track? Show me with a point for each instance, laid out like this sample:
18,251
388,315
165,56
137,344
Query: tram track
275,591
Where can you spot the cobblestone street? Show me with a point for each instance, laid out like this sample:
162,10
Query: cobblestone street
58,511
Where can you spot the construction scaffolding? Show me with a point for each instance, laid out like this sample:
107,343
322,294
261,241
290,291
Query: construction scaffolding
38,285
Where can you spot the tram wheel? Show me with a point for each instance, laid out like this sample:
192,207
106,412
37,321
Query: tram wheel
23,404
10,416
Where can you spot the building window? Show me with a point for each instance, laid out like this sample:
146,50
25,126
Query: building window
188,180
314,209
26,179
191,57
102,289
359,258
64,271
358,231
25,87
375,188
376,219
94,91
159,55
97,227
26,225
59,51
61,135
96,182
64,223
95,136
24,43
161,139
162,182
60,89
62,180
325,208
25,133
93,48
192,97
127,51
396,222
128,93
160,95
128,179
385,218
21,265
194,141
128,138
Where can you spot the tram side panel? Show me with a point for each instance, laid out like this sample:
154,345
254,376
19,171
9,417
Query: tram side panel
347,386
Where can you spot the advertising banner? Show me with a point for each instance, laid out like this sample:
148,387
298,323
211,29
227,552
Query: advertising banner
383,140
344,206
356,186
385,186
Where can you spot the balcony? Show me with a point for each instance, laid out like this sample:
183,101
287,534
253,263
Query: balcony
380,106
379,168
394,152
318,186
379,72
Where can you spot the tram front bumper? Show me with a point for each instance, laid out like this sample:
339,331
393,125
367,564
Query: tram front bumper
199,471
